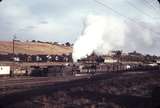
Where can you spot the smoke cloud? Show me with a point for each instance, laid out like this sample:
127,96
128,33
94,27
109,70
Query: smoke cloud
105,33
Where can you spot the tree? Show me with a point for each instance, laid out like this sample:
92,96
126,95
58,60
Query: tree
118,54
68,44
159,1
33,40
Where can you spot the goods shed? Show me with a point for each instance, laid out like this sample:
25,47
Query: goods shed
4,70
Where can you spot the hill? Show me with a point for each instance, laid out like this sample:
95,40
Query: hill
33,48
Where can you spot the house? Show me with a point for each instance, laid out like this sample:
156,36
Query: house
158,61
109,59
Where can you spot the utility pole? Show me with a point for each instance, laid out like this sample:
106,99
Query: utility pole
14,38
13,49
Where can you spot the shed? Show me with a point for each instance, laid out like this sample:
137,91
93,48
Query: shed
4,70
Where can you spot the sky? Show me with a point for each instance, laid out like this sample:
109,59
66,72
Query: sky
63,20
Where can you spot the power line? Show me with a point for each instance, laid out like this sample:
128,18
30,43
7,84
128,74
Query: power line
135,7
110,8
151,5
126,17
147,3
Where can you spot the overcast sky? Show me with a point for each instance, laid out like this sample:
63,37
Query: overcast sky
62,20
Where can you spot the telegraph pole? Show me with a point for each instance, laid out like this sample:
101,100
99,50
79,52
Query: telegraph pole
14,37
13,49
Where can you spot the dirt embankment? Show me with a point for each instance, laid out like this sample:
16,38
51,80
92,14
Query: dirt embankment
33,48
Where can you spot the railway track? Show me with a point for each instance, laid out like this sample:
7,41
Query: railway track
24,88
12,85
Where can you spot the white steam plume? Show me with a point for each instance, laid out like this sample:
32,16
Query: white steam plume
105,33
101,35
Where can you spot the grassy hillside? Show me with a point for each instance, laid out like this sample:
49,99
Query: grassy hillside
33,48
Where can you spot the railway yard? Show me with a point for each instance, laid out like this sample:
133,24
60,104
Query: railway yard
111,90
13,85
79,54
92,82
